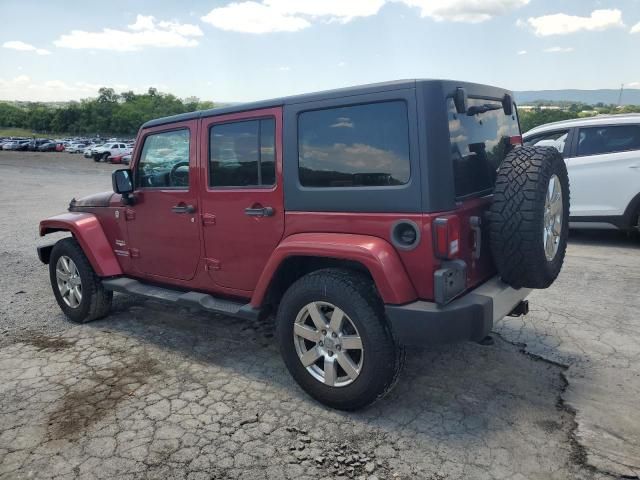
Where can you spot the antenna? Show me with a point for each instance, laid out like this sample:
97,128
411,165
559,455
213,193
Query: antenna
620,96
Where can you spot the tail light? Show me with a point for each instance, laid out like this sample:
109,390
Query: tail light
515,140
446,237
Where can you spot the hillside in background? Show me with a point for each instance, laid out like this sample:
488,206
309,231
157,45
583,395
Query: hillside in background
591,97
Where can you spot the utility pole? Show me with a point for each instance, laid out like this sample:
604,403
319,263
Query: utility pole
620,96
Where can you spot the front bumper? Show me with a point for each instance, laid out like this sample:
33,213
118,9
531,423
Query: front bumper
470,317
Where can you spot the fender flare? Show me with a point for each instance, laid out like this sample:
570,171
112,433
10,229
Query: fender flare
86,229
376,254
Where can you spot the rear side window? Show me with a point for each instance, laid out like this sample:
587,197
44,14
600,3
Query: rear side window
242,154
556,140
608,139
479,143
355,146
164,161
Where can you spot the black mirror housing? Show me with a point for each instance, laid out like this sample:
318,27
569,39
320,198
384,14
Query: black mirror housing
507,104
460,100
122,181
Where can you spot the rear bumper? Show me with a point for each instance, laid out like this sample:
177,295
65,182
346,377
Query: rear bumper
470,317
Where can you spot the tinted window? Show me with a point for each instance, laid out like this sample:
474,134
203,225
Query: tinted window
356,146
610,139
242,154
164,162
479,143
556,140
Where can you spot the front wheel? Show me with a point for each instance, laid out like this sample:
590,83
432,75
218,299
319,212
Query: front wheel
335,340
77,288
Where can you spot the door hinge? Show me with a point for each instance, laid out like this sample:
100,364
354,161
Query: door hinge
208,219
134,253
211,264
129,214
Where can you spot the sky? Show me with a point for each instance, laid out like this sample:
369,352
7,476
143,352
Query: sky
243,50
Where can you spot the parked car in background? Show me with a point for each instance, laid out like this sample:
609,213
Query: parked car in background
60,147
107,150
35,143
49,147
75,148
23,145
603,159
10,145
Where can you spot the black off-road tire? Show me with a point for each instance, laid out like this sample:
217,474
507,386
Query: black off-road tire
517,217
96,157
96,300
355,294
105,157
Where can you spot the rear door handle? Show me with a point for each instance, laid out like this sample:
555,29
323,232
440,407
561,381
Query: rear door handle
182,208
259,212
634,166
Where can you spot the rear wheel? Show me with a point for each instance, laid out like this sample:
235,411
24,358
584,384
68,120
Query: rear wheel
530,217
77,288
335,340
105,157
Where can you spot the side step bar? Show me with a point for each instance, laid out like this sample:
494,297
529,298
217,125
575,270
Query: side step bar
203,301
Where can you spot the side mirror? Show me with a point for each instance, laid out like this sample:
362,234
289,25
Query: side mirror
460,100
507,104
122,181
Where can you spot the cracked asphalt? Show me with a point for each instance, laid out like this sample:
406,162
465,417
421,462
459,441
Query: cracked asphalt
156,391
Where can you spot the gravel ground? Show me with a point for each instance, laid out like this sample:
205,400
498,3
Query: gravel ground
163,392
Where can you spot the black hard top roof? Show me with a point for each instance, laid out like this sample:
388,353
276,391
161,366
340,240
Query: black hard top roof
325,95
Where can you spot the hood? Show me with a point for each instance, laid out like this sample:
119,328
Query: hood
95,200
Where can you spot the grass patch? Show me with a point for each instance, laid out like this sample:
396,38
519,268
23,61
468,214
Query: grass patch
25,132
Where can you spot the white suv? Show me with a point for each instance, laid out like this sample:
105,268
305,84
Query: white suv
603,159
109,149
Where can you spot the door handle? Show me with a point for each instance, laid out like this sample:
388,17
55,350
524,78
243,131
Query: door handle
634,166
182,208
259,212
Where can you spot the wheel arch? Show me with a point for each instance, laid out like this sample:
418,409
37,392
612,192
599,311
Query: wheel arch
632,212
300,254
87,231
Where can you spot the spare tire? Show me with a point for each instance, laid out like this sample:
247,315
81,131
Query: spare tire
529,217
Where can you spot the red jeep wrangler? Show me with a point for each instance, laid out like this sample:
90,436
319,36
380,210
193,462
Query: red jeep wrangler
365,219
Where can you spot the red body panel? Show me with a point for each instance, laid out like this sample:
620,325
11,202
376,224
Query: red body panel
165,244
87,230
376,254
237,246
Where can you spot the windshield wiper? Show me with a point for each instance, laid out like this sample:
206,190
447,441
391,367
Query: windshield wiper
478,109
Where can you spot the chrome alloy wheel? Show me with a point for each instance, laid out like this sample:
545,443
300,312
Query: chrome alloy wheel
69,282
328,344
552,230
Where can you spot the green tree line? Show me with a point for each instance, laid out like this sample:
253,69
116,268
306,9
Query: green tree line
122,114
108,114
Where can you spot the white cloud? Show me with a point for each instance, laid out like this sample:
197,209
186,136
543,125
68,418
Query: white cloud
559,49
145,32
522,52
563,24
636,28
468,11
25,47
632,85
270,16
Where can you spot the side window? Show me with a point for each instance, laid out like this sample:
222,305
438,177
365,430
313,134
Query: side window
164,161
355,146
608,139
242,154
556,140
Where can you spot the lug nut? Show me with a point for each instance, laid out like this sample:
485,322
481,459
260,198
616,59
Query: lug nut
321,343
324,332
338,347
334,334
330,353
